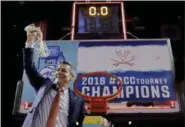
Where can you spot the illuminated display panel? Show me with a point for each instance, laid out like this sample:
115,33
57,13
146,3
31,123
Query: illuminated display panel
134,98
98,20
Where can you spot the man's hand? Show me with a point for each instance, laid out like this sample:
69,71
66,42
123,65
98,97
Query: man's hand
30,37
33,33
39,34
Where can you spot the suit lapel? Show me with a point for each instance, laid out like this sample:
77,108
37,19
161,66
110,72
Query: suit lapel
42,92
49,86
71,104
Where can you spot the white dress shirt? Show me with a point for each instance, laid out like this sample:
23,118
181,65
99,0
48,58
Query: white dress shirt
41,117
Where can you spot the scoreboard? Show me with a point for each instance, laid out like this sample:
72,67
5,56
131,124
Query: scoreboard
98,20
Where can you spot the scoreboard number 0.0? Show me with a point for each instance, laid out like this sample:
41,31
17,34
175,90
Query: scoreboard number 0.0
93,11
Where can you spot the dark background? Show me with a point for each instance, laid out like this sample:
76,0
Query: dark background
16,15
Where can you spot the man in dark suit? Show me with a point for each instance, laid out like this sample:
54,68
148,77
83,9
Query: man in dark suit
55,105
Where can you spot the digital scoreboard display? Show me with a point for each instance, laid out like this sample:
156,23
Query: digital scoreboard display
98,20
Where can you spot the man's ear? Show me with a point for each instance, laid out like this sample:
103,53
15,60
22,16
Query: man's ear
56,74
71,77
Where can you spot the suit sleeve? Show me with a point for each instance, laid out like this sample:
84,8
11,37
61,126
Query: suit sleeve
83,113
36,80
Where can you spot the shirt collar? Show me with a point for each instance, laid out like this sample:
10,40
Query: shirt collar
54,86
65,89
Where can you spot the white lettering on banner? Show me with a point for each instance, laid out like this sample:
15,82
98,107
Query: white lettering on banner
137,81
151,81
155,91
96,81
132,80
85,90
142,81
144,92
147,81
156,81
90,81
102,81
106,91
126,80
84,81
95,91
137,92
93,81
120,79
165,90
129,90
132,87
160,81
121,95
165,80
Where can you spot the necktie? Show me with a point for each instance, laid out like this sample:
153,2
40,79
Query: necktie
54,110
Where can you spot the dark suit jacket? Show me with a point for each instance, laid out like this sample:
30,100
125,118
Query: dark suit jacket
42,86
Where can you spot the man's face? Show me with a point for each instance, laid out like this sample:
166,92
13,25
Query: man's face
63,73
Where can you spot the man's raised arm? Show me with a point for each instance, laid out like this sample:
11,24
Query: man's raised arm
34,76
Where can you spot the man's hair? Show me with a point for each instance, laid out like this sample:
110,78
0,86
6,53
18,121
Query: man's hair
67,63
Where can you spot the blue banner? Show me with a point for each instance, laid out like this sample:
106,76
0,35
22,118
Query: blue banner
137,86
145,68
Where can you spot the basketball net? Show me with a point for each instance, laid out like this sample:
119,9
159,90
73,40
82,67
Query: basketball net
41,47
